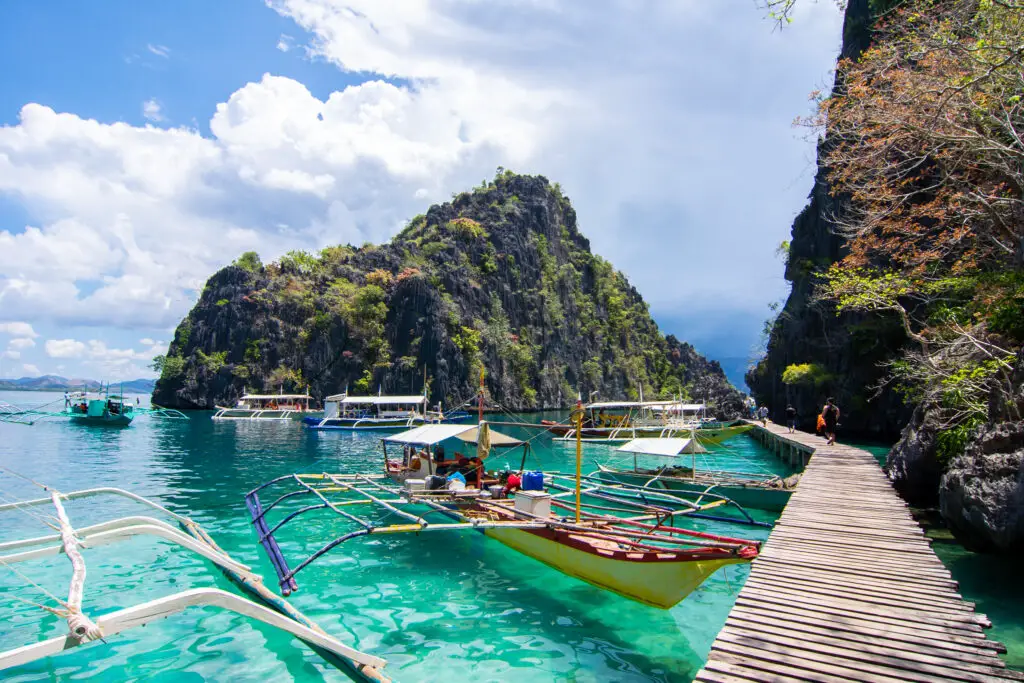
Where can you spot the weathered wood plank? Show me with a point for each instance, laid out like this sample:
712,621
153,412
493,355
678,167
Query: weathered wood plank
875,650
847,587
881,634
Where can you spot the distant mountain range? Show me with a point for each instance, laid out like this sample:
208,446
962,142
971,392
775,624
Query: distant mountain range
56,383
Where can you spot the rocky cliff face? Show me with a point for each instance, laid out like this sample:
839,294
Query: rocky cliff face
845,352
981,495
499,278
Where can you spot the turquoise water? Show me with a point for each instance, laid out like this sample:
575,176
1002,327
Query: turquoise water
443,606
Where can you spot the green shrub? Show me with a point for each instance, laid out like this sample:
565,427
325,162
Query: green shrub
249,261
223,302
299,263
169,367
465,228
805,374
213,362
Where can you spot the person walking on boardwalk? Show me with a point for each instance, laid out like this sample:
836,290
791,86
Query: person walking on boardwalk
791,418
831,414
763,415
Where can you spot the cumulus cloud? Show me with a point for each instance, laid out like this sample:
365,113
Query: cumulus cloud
285,42
18,329
10,353
30,370
152,111
64,348
21,343
666,123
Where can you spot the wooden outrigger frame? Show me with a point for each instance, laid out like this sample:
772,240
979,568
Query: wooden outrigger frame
649,520
82,629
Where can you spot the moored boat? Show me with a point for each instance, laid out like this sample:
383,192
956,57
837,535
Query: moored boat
641,552
266,407
368,413
103,409
621,421
770,492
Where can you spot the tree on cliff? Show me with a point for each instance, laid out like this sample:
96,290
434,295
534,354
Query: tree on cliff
926,145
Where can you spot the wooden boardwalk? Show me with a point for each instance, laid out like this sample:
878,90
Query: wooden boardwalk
847,588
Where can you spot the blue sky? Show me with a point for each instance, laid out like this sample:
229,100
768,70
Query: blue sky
144,145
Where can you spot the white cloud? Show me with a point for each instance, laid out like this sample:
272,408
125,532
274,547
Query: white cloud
654,118
64,348
17,329
159,50
152,111
11,354
285,42
21,343
30,370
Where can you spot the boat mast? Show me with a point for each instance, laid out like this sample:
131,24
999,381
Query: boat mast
578,419
480,400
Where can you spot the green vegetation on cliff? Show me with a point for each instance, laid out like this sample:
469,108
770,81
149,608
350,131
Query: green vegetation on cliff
499,278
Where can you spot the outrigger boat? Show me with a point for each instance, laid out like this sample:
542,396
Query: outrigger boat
99,409
357,413
266,407
376,413
769,492
82,628
616,537
621,421
102,408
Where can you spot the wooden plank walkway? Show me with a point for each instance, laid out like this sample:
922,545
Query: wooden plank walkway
847,588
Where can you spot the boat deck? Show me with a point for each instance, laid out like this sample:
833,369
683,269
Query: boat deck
847,588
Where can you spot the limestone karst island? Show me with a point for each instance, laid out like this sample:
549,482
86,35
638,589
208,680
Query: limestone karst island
550,341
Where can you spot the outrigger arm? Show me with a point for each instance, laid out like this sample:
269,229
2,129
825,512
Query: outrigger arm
139,615
83,629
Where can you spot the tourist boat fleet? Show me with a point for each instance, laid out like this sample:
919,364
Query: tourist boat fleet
620,537
621,530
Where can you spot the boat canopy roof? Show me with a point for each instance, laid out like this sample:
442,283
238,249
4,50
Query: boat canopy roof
377,400
269,397
653,405
428,435
668,447
684,407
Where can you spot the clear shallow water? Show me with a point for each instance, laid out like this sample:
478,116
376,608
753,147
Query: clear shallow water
445,606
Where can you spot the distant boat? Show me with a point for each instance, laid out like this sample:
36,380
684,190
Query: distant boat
359,413
621,421
104,409
266,407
